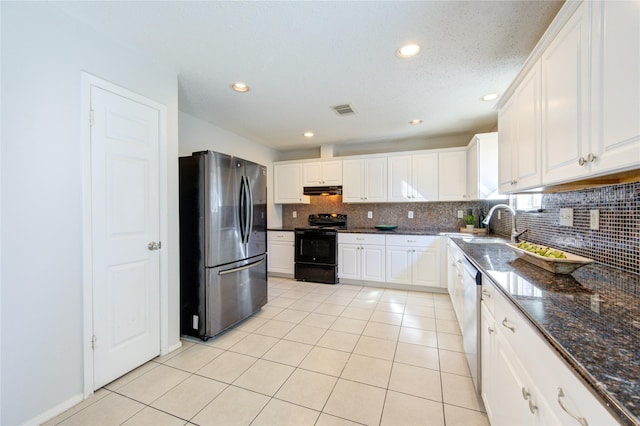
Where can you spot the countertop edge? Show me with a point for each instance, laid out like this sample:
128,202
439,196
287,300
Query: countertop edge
619,411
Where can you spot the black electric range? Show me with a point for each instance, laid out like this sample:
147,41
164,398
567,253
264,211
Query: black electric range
316,246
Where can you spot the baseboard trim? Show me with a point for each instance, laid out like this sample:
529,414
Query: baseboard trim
171,348
55,411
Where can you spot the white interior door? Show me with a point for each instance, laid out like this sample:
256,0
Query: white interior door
125,225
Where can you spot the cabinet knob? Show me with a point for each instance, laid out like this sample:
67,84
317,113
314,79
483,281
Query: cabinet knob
581,161
591,158
486,293
491,330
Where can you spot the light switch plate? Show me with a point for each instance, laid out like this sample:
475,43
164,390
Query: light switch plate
594,219
566,217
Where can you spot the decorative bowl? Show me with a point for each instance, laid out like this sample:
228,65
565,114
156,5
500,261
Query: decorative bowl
551,264
386,227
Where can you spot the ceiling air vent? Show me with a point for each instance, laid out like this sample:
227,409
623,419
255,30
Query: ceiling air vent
344,109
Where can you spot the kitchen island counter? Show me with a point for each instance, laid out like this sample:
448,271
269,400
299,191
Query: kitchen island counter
591,318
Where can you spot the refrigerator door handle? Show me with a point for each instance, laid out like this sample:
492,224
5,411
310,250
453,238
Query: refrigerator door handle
242,211
249,216
241,268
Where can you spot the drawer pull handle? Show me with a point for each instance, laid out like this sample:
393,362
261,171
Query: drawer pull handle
486,293
526,395
508,325
580,420
491,330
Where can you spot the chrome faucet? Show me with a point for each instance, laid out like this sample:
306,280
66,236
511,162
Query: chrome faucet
514,231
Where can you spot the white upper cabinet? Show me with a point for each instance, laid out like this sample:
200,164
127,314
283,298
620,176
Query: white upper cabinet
322,173
519,136
287,180
482,167
615,137
452,175
587,70
565,100
364,180
413,177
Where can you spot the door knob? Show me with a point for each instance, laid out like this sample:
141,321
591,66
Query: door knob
154,246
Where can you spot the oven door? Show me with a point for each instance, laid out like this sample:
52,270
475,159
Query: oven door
316,246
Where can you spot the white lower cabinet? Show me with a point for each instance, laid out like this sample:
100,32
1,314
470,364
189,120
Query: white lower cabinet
361,257
281,250
413,259
524,381
455,275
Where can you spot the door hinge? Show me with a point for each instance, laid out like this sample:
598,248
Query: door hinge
94,341
91,117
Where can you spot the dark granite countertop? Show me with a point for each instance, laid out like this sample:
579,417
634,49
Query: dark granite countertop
591,317
398,231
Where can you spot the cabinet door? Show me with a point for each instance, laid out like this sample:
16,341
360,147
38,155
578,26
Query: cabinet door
424,173
425,266
332,172
488,361
349,261
312,174
452,175
375,181
399,178
288,184
565,96
352,181
527,131
281,257
508,385
472,170
373,262
616,86
506,151
398,261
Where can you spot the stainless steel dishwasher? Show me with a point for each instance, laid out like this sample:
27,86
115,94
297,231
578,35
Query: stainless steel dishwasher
472,284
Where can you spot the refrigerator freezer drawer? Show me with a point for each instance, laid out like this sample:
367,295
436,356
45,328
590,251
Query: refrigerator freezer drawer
233,292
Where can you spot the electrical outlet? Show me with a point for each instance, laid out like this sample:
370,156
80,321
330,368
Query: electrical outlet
295,214
594,219
566,217
410,214
460,214
369,215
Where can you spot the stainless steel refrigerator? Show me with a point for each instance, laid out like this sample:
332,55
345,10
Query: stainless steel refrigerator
223,235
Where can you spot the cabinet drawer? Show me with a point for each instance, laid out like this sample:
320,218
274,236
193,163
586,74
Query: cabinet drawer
413,240
488,294
346,238
285,236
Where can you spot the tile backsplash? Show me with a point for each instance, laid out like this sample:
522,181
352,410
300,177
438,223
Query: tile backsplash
616,243
432,216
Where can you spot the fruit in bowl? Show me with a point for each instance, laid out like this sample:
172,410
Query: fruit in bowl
541,250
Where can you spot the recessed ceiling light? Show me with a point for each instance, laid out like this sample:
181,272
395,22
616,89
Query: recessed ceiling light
415,122
240,87
408,51
308,134
490,97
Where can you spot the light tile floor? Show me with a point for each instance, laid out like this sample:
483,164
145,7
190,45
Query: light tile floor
316,354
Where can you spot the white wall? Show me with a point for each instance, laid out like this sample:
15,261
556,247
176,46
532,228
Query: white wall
199,135
43,54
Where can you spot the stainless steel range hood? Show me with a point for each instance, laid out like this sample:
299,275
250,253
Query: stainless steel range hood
322,190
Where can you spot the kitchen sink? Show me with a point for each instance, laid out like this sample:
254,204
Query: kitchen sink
484,240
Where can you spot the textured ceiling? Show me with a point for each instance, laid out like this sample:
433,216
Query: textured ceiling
301,58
